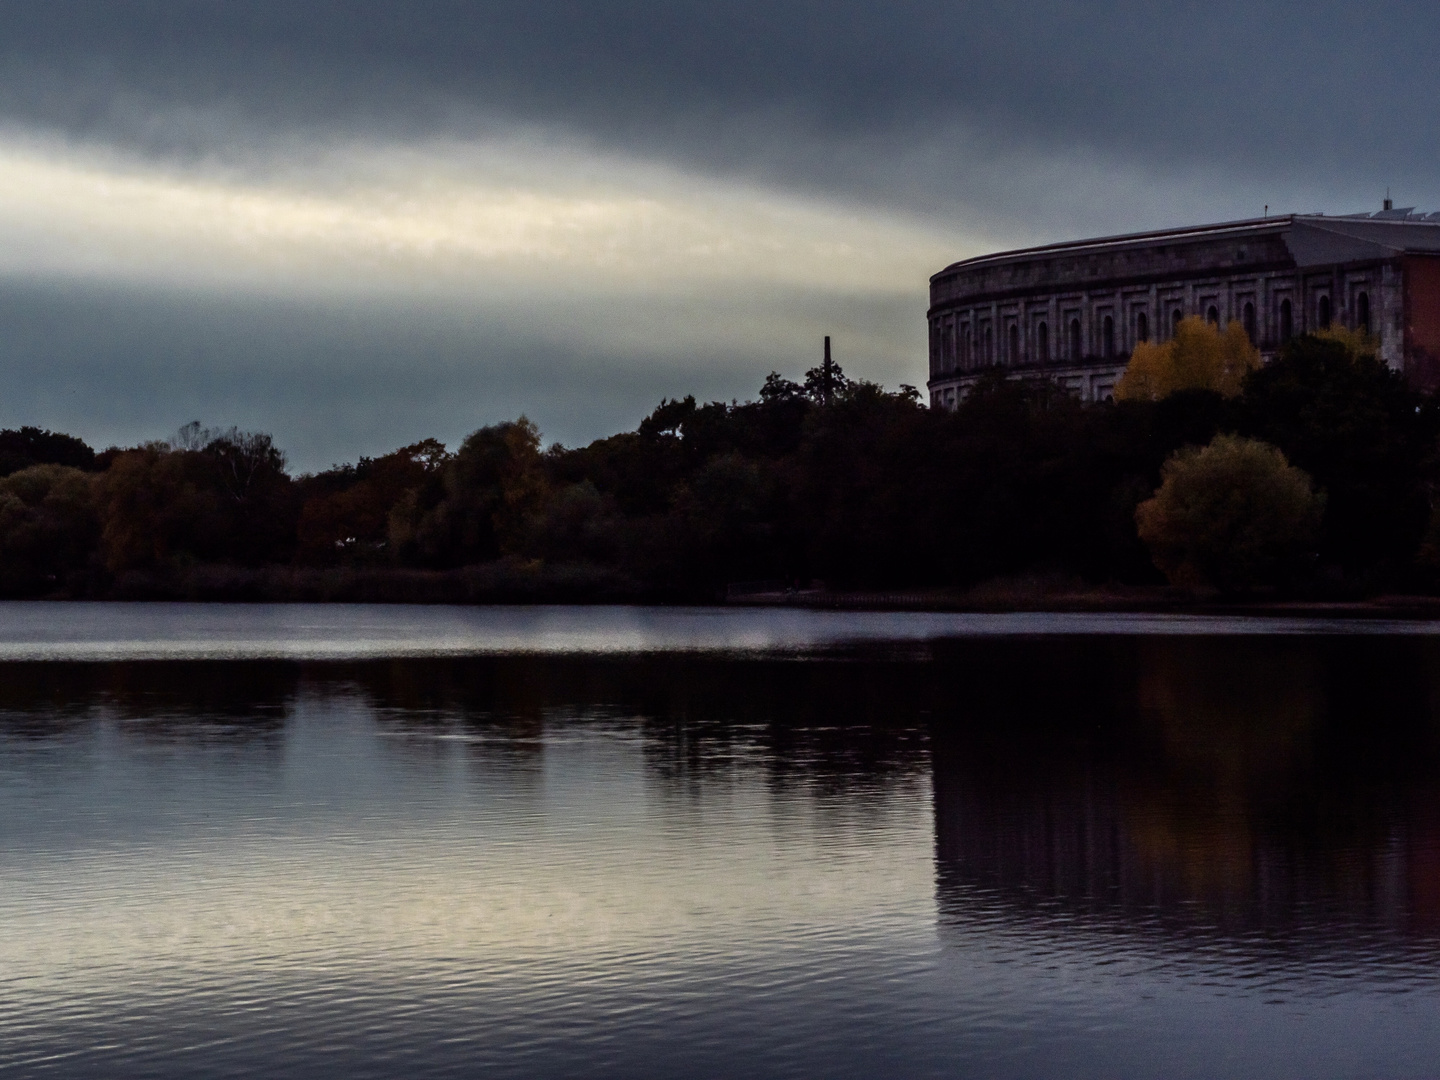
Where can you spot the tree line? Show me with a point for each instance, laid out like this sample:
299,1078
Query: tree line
827,480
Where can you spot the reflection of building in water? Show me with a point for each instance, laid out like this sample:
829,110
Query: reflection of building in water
1093,843
1244,785
1099,845
1072,312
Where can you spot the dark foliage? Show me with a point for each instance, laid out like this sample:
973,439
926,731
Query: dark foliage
832,480
347,509
227,500
1366,438
48,529
35,446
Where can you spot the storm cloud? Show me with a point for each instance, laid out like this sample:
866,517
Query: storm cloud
359,223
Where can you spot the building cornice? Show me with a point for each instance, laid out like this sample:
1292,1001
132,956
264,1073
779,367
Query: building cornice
1117,284
1251,227
1137,282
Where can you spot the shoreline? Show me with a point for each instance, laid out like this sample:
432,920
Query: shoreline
1119,600
513,585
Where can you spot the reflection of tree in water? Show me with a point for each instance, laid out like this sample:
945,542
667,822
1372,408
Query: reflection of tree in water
847,729
1241,784
180,701
494,709
843,725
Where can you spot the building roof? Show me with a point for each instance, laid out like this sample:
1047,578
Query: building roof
1312,239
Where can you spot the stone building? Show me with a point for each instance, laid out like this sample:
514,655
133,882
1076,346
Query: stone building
1072,312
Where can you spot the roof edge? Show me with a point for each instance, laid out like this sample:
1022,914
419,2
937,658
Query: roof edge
1260,224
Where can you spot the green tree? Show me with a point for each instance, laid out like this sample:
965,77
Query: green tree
48,528
1233,515
494,491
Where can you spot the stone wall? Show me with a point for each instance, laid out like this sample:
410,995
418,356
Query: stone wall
1074,313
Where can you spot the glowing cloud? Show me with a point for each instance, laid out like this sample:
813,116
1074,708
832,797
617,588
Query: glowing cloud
442,219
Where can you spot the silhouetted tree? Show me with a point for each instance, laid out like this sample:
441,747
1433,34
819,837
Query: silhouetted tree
48,528
833,479
346,511
1363,434
493,488
34,446
166,504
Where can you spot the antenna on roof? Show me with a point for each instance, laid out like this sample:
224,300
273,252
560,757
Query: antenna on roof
1267,210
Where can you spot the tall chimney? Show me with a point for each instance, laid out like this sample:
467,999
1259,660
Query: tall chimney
827,377
1389,202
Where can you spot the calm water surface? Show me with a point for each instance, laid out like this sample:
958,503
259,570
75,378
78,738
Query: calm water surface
292,841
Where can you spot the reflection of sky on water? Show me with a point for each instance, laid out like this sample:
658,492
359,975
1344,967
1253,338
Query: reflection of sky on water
77,631
1090,856
523,884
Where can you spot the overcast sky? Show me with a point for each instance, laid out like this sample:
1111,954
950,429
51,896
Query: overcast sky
355,224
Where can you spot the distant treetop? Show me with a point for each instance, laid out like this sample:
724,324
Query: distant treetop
35,446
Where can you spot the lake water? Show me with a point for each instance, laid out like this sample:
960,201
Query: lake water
368,841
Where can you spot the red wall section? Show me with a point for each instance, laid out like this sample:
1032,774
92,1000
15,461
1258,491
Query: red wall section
1422,321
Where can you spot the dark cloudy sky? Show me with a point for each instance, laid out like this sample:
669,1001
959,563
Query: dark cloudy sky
354,224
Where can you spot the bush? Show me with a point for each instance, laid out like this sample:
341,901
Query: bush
1233,516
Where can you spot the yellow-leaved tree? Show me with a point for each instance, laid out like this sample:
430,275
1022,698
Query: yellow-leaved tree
1358,343
1199,357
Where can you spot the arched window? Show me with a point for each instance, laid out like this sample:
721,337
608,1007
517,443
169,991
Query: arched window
989,345
1074,339
1175,317
1212,315
1322,311
1250,322
1362,312
1042,342
1108,333
1287,321
1014,344
1142,327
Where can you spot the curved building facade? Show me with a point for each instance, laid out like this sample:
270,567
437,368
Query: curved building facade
1073,312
